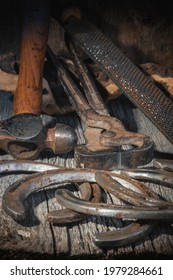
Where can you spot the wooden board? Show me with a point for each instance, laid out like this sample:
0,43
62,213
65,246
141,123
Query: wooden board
38,238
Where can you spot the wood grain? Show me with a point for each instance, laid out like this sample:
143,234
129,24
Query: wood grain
28,97
37,238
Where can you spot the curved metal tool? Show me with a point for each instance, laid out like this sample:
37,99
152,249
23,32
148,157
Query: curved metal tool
147,174
58,216
163,164
26,166
139,196
22,126
154,175
134,197
65,216
15,195
138,88
24,137
105,135
68,200
122,236
68,216
118,237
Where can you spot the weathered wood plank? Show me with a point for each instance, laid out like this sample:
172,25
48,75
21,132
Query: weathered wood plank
37,236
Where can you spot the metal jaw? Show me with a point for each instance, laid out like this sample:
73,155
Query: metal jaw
105,136
124,73
114,157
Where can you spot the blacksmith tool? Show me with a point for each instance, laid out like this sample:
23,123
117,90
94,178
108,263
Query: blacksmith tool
28,96
16,194
23,135
105,136
65,216
128,77
163,164
131,233
134,231
25,166
118,237
67,199
161,169
87,190
138,196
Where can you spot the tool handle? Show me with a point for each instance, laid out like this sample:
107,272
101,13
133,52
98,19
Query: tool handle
28,96
92,94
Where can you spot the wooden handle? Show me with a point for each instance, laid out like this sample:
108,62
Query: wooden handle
28,96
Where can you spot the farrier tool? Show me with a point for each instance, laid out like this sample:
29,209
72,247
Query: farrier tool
23,135
145,203
87,191
128,77
105,136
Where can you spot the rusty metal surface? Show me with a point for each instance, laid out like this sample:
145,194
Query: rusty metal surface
68,200
26,166
114,158
102,132
22,126
91,92
128,234
24,137
163,164
138,88
131,234
146,204
88,192
15,195
138,196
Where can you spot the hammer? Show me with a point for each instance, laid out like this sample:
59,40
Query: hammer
23,135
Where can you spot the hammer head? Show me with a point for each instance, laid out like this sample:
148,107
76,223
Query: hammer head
61,139
22,126
24,137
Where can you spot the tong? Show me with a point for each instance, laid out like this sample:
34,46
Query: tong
123,72
105,135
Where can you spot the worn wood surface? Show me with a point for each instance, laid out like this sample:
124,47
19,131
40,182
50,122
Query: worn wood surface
39,239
